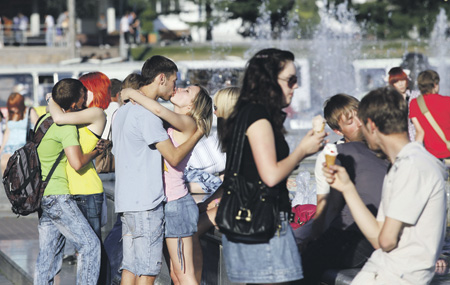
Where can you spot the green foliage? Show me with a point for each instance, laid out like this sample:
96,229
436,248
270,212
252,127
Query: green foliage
395,18
146,17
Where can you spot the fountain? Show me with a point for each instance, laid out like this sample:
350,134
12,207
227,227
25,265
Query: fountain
336,44
439,50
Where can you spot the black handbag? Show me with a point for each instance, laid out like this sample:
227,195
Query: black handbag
249,210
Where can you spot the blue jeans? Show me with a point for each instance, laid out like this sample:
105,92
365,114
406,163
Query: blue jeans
62,219
91,207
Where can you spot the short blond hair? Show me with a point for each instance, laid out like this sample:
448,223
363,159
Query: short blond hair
202,110
224,100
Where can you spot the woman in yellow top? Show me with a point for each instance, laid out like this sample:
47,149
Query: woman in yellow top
85,184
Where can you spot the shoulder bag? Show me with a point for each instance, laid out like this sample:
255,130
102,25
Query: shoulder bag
249,210
104,162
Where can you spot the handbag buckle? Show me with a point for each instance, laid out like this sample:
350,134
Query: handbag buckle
241,216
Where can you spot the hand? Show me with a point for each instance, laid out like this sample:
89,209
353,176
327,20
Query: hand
337,177
102,145
441,267
125,94
312,142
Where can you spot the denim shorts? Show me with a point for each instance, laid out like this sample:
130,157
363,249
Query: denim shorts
142,236
181,217
209,182
272,262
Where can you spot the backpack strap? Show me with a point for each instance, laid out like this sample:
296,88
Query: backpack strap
49,175
424,109
42,129
39,134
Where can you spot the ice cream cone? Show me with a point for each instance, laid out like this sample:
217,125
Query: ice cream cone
330,159
331,153
318,124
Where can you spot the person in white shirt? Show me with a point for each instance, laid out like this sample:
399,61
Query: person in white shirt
409,229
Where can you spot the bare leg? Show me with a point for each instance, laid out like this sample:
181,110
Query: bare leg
185,274
198,257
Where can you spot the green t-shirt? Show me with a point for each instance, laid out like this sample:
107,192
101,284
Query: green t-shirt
55,140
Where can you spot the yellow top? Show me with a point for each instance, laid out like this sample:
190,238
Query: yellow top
85,181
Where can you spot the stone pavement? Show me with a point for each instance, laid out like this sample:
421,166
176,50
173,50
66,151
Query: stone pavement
19,247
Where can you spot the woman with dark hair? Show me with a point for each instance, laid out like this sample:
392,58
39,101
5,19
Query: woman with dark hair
269,83
19,117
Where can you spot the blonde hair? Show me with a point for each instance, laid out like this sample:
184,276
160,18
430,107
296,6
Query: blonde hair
224,100
202,110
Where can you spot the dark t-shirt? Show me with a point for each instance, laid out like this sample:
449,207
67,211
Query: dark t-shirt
367,172
248,166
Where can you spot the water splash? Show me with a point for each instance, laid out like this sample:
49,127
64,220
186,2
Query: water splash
439,49
336,44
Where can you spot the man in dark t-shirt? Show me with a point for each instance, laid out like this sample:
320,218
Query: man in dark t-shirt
342,245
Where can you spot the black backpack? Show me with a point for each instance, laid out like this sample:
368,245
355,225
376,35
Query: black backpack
22,178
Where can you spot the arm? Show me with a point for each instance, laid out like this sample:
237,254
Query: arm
33,116
262,142
77,159
183,123
94,117
173,154
420,133
369,226
390,233
5,138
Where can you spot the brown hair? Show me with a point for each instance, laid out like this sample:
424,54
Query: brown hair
386,108
337,106
427,80
15,100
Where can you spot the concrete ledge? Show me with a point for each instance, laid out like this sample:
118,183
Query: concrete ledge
13,271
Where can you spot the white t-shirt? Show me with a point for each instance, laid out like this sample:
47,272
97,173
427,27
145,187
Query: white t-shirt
413,193
49,21
207,155
139,185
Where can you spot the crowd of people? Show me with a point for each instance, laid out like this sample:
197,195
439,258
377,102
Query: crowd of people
381,207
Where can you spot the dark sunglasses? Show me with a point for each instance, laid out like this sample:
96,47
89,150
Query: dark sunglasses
291,81
215,108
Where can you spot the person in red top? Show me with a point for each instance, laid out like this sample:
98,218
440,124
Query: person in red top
439,107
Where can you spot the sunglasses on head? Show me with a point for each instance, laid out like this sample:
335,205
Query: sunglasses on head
291,81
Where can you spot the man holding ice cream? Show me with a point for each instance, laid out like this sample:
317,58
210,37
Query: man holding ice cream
409,228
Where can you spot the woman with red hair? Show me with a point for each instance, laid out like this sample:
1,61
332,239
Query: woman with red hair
400,81
85,185
16,126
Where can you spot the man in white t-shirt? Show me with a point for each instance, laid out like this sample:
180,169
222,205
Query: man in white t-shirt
409,229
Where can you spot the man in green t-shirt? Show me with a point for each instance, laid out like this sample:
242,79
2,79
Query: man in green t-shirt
61,218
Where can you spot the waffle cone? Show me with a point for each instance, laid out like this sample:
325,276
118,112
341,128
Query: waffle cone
330,159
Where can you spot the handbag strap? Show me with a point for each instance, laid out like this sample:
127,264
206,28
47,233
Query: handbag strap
424,109
237,144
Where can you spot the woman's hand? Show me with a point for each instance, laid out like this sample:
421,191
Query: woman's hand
102,145
337,177
125,94
312,142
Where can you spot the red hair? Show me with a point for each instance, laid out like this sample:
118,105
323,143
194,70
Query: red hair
15,100
100,85
397,74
